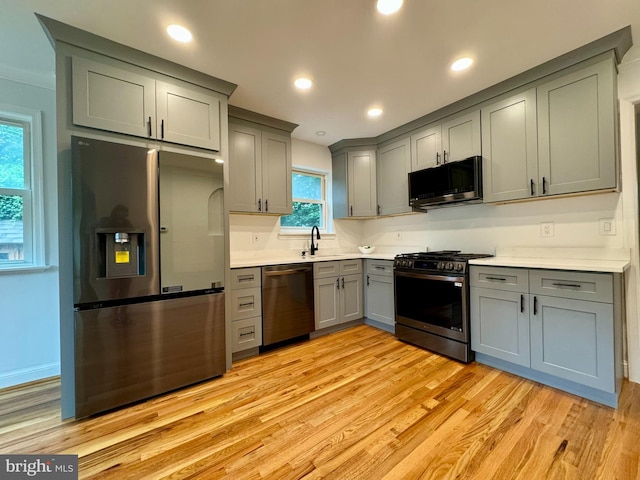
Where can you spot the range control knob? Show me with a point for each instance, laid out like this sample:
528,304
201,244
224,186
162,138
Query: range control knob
458,267
449,266
440,265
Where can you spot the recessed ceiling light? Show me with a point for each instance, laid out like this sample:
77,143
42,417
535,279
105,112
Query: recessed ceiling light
303,83
387,7
374,112
179,33
461,64
321,133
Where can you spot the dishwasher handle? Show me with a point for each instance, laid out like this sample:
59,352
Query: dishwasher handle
291,271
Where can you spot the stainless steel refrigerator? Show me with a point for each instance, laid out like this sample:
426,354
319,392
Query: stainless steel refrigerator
148,243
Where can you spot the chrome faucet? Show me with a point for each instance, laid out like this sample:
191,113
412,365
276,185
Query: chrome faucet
314,247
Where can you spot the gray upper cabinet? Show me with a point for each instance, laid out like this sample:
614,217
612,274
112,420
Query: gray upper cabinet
455,138
510,148
576,131
393,166
259,170
113,99
188,116
354,184
555,138
118,99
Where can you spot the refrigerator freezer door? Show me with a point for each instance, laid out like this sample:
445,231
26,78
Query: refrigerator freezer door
129,353
191,223
115,221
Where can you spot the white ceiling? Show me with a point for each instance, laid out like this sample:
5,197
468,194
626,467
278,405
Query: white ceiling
356,57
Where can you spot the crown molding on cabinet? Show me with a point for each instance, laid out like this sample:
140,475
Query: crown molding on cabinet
249,116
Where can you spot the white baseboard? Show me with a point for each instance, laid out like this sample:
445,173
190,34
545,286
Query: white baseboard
24,375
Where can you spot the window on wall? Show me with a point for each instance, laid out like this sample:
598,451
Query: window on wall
309,202
21,243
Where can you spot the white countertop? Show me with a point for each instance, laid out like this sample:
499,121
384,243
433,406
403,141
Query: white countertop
262,261
577,259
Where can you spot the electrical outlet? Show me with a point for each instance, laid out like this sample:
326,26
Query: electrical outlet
607,226
398,236
546,229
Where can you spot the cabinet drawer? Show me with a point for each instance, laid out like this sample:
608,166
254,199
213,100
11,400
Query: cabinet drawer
380,267
245,278
326,269
594,287
498,278
349,267
246,333
246,303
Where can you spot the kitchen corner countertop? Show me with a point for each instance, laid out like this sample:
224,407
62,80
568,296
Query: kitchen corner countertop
261,261
578,259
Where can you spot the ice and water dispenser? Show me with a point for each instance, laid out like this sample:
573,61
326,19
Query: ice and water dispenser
121,253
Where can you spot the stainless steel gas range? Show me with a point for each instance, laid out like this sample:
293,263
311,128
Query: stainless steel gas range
432,301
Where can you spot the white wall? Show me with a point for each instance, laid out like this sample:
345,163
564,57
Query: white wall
29,325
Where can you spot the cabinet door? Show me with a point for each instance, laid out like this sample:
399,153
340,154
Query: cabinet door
188,116
113,99
245,334
339,185
573,339
379,299
276,173
326,297
461,137
245,168
426,148
361,170
500,324
510,148
394,165
351,303
576,131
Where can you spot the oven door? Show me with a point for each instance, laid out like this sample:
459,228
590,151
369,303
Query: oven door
432,303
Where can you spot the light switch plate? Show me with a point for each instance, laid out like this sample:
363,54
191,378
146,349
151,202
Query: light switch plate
607,226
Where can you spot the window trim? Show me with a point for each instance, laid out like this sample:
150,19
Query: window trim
324,176
32,194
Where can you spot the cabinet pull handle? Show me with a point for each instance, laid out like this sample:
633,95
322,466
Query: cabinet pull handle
259,204
343,283
379,209
351,211
437,158
162,129
444,157
266,205
248,304
535,305
247,333
245,278
338,283
497,279
378,267
521,303
570,285
544,185
149,126
367,280
532,187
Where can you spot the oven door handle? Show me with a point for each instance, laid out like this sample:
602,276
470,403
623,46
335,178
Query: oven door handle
428,276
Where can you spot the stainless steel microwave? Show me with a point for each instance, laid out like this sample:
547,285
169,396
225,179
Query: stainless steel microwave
447,184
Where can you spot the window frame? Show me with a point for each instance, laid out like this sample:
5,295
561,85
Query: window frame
32,193
323,202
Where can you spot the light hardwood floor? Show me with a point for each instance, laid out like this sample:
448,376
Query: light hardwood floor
356,404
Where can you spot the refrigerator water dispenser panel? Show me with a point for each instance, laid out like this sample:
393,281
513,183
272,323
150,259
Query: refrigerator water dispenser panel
123,258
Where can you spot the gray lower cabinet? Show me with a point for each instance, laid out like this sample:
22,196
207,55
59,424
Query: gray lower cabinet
378,292
557,137
246,309
393,167
338,292
562,328
117,97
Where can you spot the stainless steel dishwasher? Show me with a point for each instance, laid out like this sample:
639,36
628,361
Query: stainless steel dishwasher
287,302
